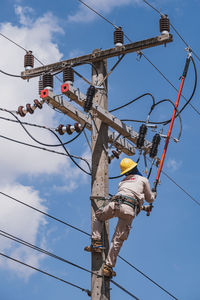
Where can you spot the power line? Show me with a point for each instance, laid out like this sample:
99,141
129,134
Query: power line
11,75
61,143
18,45
38,126
21,47
46,273
123,289
140,52
97,13
45,149
44,213
18,240
183,40
75,228
193,107
132,101
154,282
29,245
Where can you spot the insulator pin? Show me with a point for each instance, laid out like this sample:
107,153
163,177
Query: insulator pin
89,98
47,81
155,143
141,137
118,37
28,60
68,75
164,24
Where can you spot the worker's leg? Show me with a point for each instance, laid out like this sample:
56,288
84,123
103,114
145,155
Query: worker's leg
121,234
102,214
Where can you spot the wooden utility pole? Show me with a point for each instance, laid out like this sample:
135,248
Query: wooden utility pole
98,121
100,285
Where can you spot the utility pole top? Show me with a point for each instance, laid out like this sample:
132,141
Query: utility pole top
99,55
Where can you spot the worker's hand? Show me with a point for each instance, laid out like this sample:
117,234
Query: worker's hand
155,194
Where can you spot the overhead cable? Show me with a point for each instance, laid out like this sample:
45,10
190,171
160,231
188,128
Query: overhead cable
45,149
38,126
61,144
46,273
161,14
18,240
140,52
11,75
132,101
18,45
154,282
44,213
71,226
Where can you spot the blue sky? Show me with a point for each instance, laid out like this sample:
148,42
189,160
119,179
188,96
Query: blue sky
164,246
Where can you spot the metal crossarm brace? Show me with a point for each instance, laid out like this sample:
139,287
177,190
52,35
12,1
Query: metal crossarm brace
59,103
99,55
105,116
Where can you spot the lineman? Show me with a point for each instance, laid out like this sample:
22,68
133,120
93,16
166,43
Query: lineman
133,190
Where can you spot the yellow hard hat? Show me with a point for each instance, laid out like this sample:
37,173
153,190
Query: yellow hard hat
126,165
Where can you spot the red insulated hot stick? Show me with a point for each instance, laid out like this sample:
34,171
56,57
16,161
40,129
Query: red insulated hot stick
172,122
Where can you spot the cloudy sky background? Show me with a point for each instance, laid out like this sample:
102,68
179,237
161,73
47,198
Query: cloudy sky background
166,245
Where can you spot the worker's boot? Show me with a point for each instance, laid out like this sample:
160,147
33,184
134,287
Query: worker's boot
108,271
96,246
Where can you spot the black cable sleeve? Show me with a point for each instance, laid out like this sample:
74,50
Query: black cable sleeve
130,102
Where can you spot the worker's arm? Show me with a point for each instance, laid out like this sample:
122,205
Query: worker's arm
149,195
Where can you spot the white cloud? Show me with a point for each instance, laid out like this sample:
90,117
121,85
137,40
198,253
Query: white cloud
17,160
173,164
22,222
103,6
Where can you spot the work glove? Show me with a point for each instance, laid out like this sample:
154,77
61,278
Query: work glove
155,194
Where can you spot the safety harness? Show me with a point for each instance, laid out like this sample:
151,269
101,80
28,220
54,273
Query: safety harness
121,199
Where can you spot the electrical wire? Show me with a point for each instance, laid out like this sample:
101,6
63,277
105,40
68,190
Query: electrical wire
18,45
97,13
11,75
183,40
27,244
39,126
147,277
46,273
193,107
44,149
73,227
61,144
44,213
132,101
